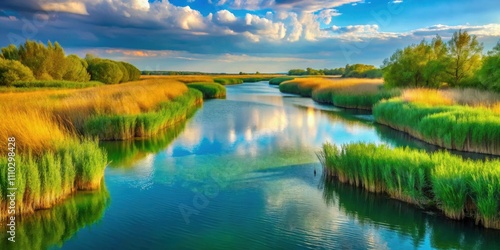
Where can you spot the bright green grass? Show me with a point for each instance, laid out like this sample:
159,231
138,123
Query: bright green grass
454,127
121,127
56,84
441,179
362,100
228,81
210,90
44,180
279,80
297,88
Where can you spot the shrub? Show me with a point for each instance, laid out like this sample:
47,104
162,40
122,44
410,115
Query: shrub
12,71
105,71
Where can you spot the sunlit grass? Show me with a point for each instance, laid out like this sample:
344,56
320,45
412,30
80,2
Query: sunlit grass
414,176
447,118
209,89
347,93
49,126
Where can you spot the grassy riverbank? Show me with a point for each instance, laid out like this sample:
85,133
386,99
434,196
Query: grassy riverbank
346,93
452,119
48,126
210,90
460,188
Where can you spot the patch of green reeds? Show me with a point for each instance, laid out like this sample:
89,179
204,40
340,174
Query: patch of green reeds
210,90
279,80
121,127
359,100
56,84
43,180
228,81
455,127
457,186
297,88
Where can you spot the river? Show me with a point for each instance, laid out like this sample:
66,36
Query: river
239,174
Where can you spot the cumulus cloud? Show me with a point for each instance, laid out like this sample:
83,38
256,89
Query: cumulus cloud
287,5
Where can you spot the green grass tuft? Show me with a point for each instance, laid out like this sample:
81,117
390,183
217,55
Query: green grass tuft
210,90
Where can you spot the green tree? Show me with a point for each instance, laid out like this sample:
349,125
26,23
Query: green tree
33,55
12,71
105,71
489,74
434,72
55,61
10,52
133,72
123,69
465,57
76,69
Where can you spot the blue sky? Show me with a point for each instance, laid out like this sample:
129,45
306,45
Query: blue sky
244,35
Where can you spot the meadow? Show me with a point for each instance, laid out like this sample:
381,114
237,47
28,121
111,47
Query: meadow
460,188
57,133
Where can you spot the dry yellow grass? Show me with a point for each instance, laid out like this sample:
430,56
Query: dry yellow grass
36,118
466,97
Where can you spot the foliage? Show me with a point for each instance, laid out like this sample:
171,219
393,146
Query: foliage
12,71
50,63
465,57
76,69
361,71
105,71
436,63
489,74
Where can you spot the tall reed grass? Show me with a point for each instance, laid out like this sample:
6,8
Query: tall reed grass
228,81
48,126
279,80
458,187
346,93
464,128
210,90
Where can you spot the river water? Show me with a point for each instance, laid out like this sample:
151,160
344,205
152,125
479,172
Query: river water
240,174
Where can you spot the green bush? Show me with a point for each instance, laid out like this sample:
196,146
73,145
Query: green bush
12,71
105,71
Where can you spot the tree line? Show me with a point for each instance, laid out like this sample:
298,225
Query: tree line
36,61
457,63
349,71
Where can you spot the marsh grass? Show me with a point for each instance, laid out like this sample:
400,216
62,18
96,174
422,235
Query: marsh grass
48,126
346,93
228,81
122,127
441,179
210,90
464,128
279,80
56,84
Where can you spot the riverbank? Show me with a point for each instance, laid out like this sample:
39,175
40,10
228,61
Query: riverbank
464,120
352,93
50,129
459,188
